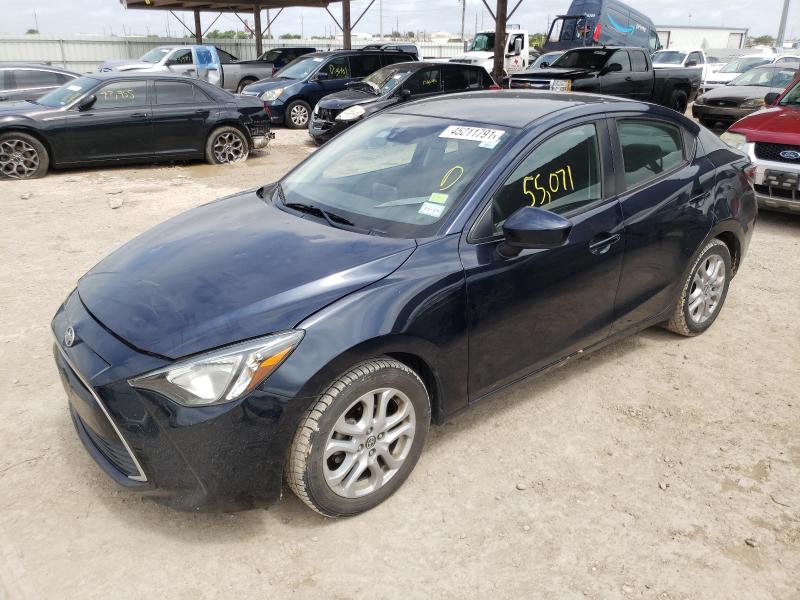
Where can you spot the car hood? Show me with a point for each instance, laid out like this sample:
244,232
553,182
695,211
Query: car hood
125,65
228,271
737,92
551,73
473,56
270,83
777,125
347,98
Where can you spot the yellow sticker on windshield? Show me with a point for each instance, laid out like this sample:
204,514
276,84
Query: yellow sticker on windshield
438,198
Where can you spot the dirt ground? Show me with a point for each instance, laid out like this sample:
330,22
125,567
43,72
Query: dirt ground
660,467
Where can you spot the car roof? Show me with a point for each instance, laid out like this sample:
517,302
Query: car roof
503,108
327,53
111,75
33,65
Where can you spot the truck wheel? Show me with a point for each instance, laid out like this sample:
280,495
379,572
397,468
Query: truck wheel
704,291
678,101
244,83
358,443
226,145
297,114
22,156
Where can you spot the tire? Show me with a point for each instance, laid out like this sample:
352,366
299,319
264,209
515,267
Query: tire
679,101
698,309
244,83
298,112
227,144
367,469
22,156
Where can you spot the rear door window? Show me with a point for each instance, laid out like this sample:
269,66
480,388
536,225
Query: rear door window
122,94
620,57
364,64
639,61
174,92
426,81
32,78
649,149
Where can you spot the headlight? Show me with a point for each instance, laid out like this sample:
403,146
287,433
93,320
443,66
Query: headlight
271,95
561,85
753,103
351,114
222,375
735,140
700,100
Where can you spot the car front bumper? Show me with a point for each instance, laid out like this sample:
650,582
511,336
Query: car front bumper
707,113
321,130
777,184
215,458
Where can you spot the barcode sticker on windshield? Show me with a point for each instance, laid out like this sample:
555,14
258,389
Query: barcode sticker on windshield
432,210
473,134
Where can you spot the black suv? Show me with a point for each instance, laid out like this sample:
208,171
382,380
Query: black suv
291,93
389,86
28,81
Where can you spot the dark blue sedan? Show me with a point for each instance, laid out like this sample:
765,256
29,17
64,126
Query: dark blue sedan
312,329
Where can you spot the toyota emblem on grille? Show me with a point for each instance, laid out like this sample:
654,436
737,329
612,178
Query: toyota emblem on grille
790,154
69,337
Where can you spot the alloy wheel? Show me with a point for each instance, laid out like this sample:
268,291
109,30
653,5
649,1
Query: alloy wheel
299,115
229,147
369,443
706,288
18,159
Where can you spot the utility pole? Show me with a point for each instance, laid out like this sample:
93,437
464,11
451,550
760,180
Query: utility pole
301,27
782,26
500,40
269,26
463,11
380,18
36,21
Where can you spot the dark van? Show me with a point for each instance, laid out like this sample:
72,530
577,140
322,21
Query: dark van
601,23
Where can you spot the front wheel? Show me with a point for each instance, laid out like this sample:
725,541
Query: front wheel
226,145
679,101
704,291
358,443
22,156
298,113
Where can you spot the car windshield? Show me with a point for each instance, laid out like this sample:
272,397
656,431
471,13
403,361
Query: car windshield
740,65
792,97
483,42
67,93
545,58
669,57
270,56
396,175
155,55
582,59
386,79
300,68
765,77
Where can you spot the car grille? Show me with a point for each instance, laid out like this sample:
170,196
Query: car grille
114,452
777,192
768,151
324,118
529,84
724,103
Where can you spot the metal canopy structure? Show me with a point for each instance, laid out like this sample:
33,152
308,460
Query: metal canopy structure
245,6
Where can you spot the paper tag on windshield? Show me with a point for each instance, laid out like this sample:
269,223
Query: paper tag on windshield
74,88
317,59
432,210
473,134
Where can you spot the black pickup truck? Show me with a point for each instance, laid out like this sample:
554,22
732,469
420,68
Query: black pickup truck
625,72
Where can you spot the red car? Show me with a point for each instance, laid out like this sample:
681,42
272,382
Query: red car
771,137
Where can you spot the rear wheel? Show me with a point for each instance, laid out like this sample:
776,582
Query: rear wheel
358,443
679,101
22,156
244,83
704,291
227,145
297,114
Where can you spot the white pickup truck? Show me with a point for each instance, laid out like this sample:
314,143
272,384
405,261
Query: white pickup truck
481,51
686,57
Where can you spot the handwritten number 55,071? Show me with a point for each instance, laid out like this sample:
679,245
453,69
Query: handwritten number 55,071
541,190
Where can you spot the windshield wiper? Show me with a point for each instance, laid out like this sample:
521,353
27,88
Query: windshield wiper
332,218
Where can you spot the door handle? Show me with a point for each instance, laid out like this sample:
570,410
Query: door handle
139,116
201,111
604,243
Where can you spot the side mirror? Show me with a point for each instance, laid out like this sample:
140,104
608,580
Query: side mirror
87,102
612,68
691,63
544,64
323,75
533,228
404,94
170,63
771,98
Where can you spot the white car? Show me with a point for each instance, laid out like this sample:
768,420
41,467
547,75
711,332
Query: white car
736,67
686,57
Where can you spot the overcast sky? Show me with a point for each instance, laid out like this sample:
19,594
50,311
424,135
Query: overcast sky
108,16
